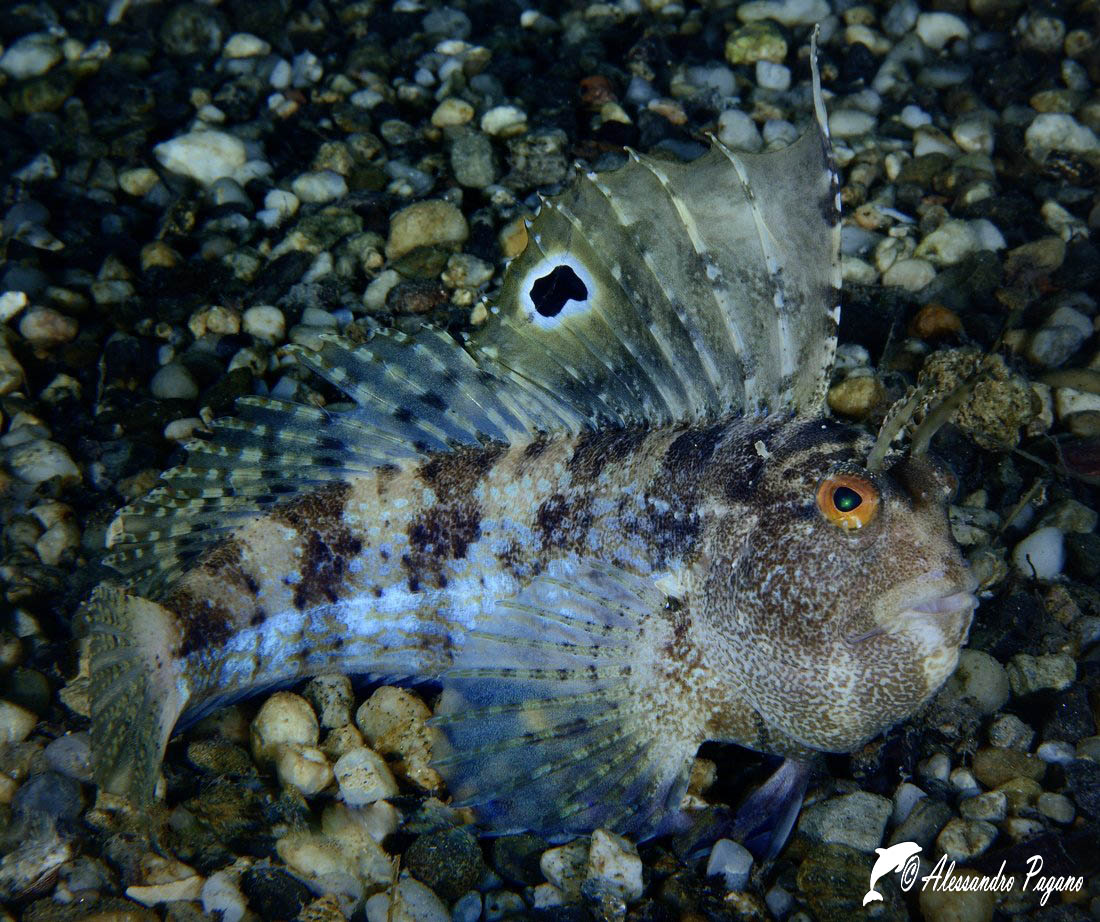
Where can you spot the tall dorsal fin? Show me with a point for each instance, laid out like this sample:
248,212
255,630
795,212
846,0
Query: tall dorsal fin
667,291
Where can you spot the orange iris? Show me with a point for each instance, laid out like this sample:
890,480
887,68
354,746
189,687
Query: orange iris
847,500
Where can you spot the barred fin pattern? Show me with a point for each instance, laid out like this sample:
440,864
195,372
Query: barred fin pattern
553,715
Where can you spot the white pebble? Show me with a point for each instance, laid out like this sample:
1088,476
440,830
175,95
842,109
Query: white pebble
988,234
204,156
913,116
850,123
282,201
222,897
905,798
1059,336
330,695
323,186
1068,401
928,139
504,121
245,45
265,322
30,56
974,133
44,327
613,861
1056,752
787,12
412,902
736,130
364,777
910,274
173,382
732,862
40,460
11,303
1041,554
280,75
949,243
773,76
565,866
284,718
937,29
303,767
1057,131
16,722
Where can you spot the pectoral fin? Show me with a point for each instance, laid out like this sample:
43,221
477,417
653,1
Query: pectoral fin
553,720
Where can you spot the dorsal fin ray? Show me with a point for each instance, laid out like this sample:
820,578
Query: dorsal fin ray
691,290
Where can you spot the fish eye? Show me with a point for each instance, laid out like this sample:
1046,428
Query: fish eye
849,501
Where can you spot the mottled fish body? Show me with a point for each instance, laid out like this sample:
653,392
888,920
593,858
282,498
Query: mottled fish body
614,525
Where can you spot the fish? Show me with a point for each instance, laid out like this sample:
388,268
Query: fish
611,523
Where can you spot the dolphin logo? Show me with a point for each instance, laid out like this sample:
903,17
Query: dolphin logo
900,857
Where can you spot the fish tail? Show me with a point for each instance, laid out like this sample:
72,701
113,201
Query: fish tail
137,689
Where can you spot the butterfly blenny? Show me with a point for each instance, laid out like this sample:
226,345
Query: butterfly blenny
587,522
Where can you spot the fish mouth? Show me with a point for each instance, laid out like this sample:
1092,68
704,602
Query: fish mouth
949,612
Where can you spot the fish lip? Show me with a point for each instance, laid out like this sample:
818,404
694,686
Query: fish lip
959,598
953,603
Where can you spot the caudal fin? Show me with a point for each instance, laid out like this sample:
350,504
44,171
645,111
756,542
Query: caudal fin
136,689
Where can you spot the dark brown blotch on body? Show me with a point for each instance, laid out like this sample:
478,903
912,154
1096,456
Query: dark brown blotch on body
327,543
454,475
594,450
203,623
563,522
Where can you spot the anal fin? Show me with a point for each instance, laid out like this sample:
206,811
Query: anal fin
553,721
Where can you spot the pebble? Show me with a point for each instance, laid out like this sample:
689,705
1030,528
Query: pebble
973,133
1039,257
316,856
949,243
771,75
1059,337
756,41
981,679
856,396
411,901
71,756
1041,555
857,820
785,12
1056,807
1009,732
364,777
265,322
40,460
283,718
30,56
472,160
614,863
431,223
1056,752
913,116
991,806
173,382
222,897
738,131
332,698
320,187
943,905
187,888
504,121
245,45
44,327
993,766
303,767
449,861
1042,33
467,908
962,840
566,866
910,274
730,861
1053,671
16,722
1050,131
452,111
850,123
935,30
204,156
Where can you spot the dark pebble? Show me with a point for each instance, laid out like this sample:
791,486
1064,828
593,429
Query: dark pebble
1083,557
49,794
28,688
1083,784
220,757
516,858
448,861
273,893
1071,717
833,879
923,823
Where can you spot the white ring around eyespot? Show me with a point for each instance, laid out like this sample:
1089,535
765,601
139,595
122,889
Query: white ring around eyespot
544,267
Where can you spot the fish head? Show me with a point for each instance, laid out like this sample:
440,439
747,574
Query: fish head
838,593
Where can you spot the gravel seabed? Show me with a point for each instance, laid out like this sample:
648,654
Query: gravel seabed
190,187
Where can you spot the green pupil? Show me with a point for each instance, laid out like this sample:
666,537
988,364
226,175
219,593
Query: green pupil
846,499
